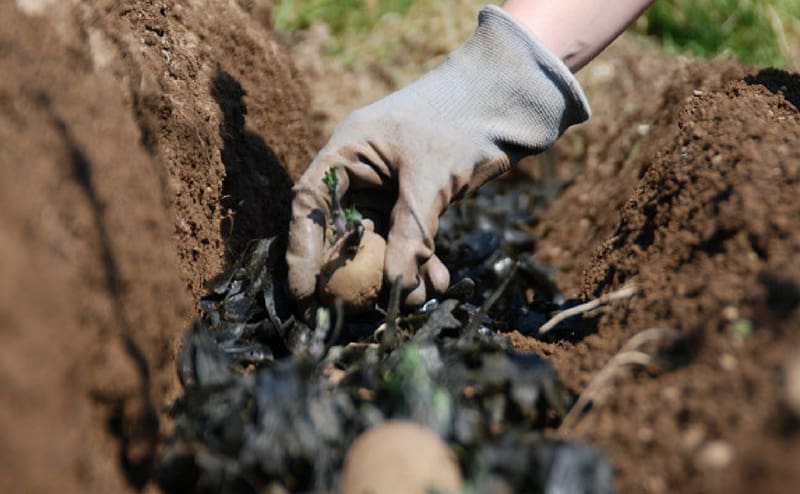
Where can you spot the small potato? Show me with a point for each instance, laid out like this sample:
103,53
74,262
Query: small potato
399,457
357,278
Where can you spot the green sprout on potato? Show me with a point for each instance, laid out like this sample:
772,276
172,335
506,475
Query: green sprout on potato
346,223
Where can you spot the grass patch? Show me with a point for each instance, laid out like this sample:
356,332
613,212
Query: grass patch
402,38
759,32
393,33
341,15
346,19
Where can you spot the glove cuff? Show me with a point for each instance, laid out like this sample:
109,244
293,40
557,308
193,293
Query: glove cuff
496,26
507,86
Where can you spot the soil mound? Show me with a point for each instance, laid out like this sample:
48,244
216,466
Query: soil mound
711,235
140,143
612,151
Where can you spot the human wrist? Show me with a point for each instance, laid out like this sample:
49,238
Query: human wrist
575,30
535,16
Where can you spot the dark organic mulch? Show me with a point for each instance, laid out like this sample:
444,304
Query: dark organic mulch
271,402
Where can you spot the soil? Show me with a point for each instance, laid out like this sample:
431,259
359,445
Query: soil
141,144
145,143
709,235
608,156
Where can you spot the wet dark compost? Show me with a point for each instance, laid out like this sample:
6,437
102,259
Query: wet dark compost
271,404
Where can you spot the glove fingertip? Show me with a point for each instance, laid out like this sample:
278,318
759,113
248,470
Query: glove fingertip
418,296
437,277
304,251
401,263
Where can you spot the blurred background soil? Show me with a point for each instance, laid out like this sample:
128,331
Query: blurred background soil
144,143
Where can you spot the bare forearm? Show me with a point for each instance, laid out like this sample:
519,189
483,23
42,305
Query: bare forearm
576,30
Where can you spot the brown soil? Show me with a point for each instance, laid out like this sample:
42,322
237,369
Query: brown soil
141,143
609,155
710,235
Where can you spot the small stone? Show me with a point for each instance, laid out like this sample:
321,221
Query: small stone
693,437
728,362
645,435
34,7
671,394
792,373
730,313
715,455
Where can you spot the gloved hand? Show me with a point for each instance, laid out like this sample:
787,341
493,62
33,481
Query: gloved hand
404,159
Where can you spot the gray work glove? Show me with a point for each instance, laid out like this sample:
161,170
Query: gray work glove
403,159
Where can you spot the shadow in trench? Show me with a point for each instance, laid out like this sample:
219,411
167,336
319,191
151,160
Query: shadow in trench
257,189
779,81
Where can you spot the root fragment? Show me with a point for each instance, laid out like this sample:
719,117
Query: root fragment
630,355
621,294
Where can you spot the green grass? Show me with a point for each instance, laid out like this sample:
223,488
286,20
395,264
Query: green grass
345,18
759,32
400,38
341,15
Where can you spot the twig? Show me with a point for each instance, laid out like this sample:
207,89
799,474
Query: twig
390,337
622,293
628,356
475,322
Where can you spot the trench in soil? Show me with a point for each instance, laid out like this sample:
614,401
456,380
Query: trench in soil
699,295
687,190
